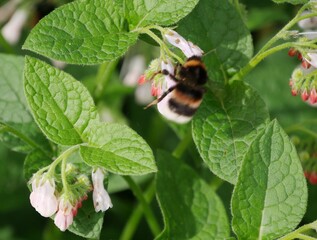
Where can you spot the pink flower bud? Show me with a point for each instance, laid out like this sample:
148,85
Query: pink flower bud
313,96
42,197
155,90
294,92
102,201
305,95
65,215
141,80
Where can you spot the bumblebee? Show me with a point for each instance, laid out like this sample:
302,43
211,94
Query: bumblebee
180,102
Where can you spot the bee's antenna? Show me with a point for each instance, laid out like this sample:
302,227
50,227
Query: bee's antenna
210,51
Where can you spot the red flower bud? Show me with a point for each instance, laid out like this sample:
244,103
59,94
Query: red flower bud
305,64
294,92
307,174
299,56
292,52
313,178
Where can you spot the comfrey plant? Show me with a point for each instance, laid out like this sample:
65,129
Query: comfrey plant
235,172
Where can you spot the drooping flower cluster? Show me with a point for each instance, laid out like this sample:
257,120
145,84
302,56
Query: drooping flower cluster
304,84
303,81
64,204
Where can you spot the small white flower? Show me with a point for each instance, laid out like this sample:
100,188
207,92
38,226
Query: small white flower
42,197
65,215
7,9
311,35
132,70
101,198
308,23
187,47
12,30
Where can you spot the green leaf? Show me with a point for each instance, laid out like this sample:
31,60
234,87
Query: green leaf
191,209
141,13
291,1
270,197
217,28
225,126
61,106
87,223
82,32
118,149
19,131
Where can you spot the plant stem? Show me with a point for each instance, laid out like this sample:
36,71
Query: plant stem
149,215
266,50
297,232
104,73
161,44
301,129
136,216
183,145
257,59
305,237
61,157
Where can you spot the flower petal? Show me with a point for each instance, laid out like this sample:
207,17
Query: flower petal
188,48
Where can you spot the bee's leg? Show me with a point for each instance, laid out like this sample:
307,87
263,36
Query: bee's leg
156,101
167,73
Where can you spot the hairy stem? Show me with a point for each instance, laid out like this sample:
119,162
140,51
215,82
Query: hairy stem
298,232
104,73
137,214
267,49
149,215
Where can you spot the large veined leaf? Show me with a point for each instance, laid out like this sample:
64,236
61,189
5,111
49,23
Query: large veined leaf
225,126
82,32
270,196
18,129
61,106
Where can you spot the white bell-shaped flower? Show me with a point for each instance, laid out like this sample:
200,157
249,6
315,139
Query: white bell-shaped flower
101,198
12,30
187,47
42,197
65,215
308,23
